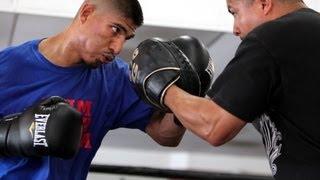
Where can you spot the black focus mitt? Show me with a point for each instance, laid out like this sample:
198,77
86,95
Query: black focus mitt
159,63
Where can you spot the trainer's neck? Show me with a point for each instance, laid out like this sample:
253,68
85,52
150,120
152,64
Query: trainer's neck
286,8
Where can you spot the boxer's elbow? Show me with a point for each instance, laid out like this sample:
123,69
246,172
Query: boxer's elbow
166,138
172,142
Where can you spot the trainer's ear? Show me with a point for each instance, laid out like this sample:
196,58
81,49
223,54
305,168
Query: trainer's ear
85,11
266,6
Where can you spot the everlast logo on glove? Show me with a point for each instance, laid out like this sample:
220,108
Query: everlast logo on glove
51,127
39,138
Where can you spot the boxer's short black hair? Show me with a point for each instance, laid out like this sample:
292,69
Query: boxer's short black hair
129,9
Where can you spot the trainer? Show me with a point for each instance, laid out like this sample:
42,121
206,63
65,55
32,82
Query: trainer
273,82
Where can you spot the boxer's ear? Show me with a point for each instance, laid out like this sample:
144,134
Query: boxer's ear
85,11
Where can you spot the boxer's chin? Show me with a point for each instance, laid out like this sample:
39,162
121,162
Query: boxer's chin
94,65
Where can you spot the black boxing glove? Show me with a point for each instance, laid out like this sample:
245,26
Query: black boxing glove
156,65
51,127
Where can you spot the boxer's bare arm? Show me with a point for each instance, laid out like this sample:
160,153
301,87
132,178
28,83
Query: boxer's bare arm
203,116
163,130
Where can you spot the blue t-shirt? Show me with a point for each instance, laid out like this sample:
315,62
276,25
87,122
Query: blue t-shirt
104,96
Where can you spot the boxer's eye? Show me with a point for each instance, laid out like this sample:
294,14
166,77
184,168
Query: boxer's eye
116,29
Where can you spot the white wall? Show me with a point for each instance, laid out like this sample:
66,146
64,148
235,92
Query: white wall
196,14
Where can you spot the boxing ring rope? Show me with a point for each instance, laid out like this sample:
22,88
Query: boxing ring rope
169,173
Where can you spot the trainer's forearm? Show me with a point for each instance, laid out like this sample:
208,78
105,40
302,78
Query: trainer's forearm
195,113
203,117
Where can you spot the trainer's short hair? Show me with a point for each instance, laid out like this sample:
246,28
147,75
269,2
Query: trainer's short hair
285,1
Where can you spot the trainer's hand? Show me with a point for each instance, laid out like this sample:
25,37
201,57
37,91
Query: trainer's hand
51,127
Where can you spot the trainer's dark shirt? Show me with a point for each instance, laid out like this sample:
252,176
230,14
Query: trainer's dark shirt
274,82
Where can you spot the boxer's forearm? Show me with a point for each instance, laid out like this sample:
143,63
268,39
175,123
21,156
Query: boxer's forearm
164,131
203,117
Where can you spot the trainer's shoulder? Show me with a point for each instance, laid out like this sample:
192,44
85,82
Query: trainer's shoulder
288,25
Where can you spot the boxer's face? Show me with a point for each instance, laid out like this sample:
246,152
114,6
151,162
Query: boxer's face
103,35
247,15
